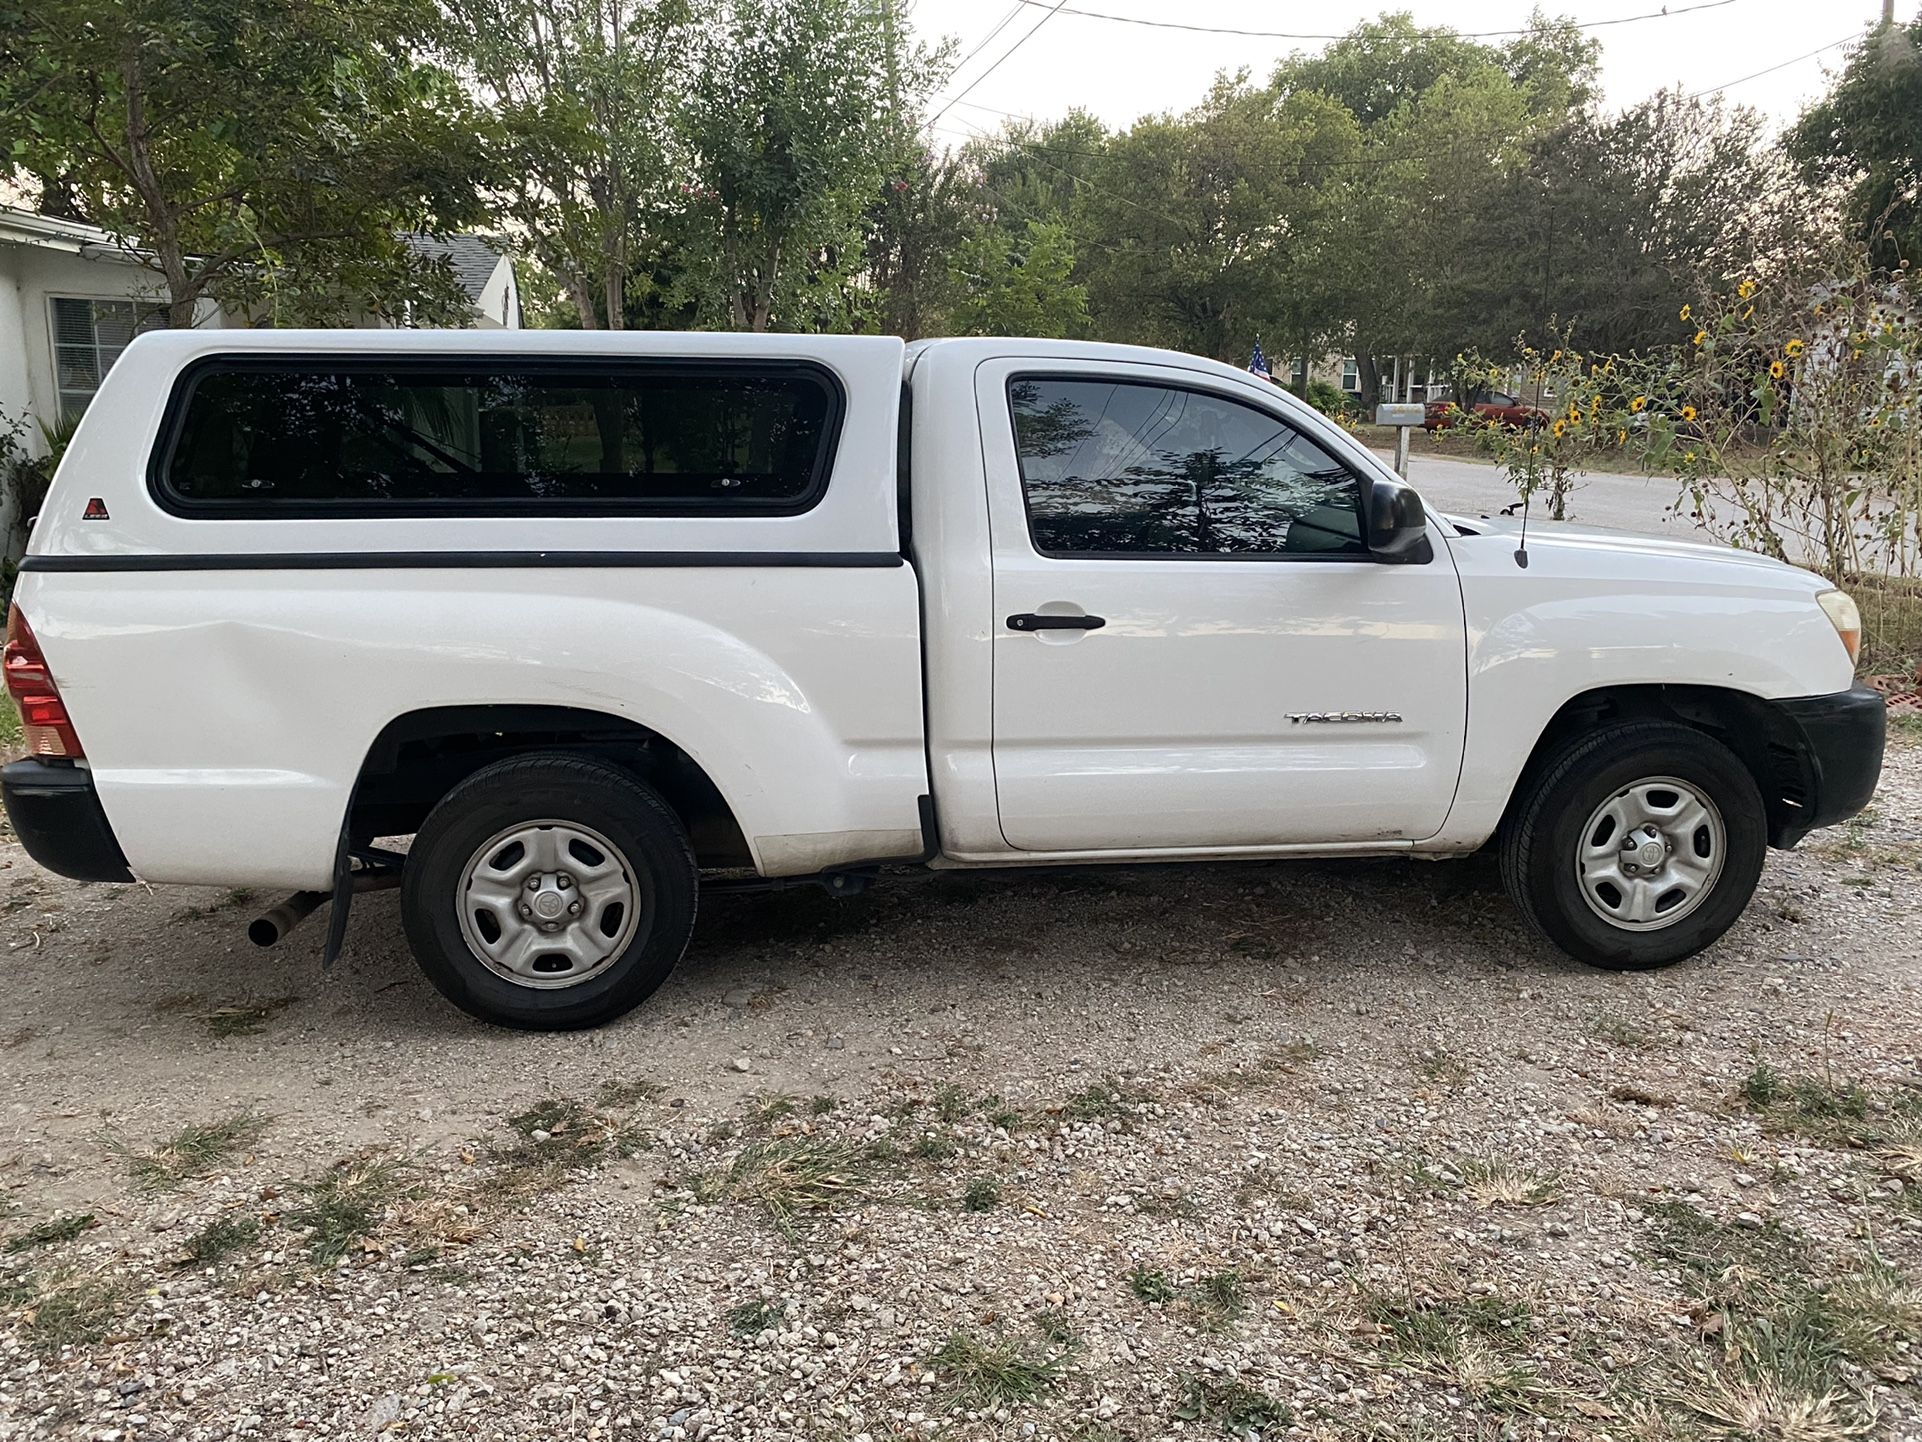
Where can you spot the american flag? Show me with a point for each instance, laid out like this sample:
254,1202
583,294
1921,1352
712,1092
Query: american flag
1258,363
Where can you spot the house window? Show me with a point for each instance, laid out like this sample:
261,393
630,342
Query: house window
1351,376
88,336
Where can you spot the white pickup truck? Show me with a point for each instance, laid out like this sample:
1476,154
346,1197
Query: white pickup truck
601,620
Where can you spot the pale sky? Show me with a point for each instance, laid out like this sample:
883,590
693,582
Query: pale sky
1120,71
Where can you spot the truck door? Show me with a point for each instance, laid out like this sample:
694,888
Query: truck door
1192,646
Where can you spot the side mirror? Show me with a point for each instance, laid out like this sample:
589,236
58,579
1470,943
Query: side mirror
1397,524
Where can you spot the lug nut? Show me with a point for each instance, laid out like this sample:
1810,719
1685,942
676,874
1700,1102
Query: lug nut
533,883
1631,868
526,910
574,908
563,881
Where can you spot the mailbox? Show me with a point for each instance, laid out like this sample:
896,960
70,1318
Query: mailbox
1401,414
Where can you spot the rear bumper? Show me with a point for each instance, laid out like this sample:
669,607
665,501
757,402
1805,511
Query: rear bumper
57,816
1839,739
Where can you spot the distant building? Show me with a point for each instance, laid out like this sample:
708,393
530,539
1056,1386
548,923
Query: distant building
72,297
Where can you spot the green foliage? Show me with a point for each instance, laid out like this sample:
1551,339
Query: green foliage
1866,134
583,95
1332,400
263,153
1018,286
790,126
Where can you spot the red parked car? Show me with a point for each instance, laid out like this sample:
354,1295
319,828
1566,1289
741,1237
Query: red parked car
1497,406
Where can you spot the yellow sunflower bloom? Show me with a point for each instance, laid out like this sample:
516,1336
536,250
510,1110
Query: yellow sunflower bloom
1638,404
1560,428
1745,289
1688,455
1777,369
1700,336
1688,413
1793,349
1621,437
1686,312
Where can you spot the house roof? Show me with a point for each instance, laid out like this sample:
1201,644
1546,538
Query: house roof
474,258
27,227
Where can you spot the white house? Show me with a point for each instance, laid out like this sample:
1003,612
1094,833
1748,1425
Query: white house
71,297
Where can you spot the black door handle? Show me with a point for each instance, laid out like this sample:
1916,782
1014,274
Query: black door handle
1030,621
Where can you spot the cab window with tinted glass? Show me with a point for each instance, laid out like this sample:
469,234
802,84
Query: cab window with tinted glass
1133,468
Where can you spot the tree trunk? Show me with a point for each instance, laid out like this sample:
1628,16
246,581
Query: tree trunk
182,290
1368,370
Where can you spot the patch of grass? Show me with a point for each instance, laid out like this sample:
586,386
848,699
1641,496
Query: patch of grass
951,1104
1493,1182
554,1137
50,1232
75,1314
1620,1031
998,1113
245,1018
630,1093
346,1204
193,1151
1439,1067
12,737
1220,1298
750,1319
1179,1204
882,1150
1838,1113
998,1373
934,1146
792,1177
983,1195
1230,1404
820,1106
1150,1284
220,1239
1057,1327
1467,1341
1106,1100
1790,1345
1906,726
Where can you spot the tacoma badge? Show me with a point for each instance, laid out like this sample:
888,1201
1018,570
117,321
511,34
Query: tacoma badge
1318,718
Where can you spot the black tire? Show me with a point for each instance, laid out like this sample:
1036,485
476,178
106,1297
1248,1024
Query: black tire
630,815
1540,842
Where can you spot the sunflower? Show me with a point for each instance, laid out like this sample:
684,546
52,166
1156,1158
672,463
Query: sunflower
1638,404
1686,312
1777,370
1621,437
1560,428
1793,349
1745,289
1700,336
1688,413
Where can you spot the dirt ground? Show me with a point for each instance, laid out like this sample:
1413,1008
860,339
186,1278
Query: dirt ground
1326,1151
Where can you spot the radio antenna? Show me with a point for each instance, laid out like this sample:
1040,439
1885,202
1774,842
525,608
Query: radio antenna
1521,551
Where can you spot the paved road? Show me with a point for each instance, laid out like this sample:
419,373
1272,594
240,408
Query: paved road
1626,503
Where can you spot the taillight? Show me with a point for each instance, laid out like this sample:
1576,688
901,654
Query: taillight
43,715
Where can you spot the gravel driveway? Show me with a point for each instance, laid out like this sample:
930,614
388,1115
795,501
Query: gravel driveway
1322,1151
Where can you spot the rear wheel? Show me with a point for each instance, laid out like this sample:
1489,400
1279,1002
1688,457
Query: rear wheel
549,892
1636,845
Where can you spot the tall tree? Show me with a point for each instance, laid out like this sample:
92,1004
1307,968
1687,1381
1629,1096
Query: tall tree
1866,135
583,94
262,153
788,128
1018,287
1201,231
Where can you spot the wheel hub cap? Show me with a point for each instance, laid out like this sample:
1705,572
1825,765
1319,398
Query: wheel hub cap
549,904
1650,854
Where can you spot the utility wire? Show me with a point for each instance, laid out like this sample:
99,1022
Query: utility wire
1003,56
1066,9
1730,85
982,44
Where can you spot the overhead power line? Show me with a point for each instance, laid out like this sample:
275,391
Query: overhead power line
1783,65
982,43
1003,56
1065,9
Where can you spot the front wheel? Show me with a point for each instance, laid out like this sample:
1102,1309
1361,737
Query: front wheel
549,892
1636,845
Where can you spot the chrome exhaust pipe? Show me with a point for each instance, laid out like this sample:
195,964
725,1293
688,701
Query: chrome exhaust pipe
271,927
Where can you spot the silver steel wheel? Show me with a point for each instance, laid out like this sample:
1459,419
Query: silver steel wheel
549,904
1650,854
